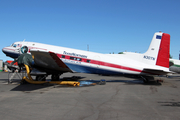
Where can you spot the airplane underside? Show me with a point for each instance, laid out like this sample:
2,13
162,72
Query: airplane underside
12,55
94,70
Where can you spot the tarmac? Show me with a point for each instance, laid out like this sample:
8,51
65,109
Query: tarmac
121,98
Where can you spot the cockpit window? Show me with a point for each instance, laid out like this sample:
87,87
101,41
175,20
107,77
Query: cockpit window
14,45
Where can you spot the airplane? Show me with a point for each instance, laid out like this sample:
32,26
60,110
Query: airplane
174,65
56,60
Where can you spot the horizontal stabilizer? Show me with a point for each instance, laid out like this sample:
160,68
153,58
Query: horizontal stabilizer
155,71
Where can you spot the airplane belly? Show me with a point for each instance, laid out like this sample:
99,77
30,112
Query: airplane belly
96,69
12,55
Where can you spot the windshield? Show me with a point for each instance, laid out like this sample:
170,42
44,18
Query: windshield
14,45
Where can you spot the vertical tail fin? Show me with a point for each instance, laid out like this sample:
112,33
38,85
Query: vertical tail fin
158,52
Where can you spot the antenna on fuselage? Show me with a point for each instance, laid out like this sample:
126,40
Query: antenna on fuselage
24,40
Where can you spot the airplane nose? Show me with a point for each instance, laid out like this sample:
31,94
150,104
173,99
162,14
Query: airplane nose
10,52
4,50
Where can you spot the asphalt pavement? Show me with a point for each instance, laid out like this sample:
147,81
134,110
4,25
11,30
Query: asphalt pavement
121,98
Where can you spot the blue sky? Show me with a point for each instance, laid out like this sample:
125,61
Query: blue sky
107,26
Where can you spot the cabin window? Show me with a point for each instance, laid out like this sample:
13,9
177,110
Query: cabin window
63,56
88,61
79,59
72,58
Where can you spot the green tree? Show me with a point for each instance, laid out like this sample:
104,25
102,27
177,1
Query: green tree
120,53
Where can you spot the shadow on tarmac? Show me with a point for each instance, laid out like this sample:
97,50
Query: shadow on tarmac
135,82
83,83
32,87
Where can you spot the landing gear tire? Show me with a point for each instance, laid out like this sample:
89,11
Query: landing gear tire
41,78
145,81
55,77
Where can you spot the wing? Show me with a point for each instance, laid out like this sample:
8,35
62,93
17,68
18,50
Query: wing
49,61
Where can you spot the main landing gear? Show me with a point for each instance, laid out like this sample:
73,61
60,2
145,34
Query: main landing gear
39,79
147,79
54,77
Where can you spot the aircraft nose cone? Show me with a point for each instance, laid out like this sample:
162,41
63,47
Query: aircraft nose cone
4,50
10,52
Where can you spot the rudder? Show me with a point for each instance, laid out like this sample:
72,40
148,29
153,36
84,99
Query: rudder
164,49
158,52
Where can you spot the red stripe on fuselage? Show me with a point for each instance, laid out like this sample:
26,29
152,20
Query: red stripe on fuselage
96,62
9,49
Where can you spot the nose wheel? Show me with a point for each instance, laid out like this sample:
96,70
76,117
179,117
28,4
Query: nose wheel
145,79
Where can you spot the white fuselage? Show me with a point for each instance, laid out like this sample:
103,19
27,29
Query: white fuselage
89,62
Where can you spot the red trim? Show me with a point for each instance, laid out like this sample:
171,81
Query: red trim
163,55
8,49
96,62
